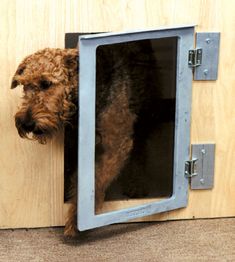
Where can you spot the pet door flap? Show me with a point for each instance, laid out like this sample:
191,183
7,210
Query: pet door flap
134,124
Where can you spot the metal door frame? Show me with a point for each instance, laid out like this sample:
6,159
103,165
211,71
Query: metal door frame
87,218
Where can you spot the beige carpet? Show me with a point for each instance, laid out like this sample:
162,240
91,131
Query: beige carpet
196,240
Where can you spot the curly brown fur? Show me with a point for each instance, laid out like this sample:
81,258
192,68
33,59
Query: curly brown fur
50,79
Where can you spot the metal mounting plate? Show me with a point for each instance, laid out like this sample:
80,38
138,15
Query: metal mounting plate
209,42
205,155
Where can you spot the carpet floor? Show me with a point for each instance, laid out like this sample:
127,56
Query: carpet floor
191,240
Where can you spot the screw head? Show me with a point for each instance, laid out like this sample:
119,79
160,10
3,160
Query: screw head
208,40
202,181
206,71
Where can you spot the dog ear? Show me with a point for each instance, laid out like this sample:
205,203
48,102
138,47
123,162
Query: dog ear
71,59
19,72
14,83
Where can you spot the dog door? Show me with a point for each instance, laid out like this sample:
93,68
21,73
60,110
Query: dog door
134,124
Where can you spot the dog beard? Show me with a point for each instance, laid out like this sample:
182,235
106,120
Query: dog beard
44,129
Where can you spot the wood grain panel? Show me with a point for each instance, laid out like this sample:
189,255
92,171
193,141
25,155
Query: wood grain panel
31,175
31,178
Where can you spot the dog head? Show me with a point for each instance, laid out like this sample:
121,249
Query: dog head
49,79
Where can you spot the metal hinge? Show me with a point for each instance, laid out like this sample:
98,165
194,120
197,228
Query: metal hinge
200,169
191,168
195,57
204,59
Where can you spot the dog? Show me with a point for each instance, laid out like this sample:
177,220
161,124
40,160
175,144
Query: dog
126,94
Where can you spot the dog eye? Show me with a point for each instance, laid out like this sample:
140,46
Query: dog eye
44,84
20,71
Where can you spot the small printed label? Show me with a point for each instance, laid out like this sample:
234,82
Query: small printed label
140,212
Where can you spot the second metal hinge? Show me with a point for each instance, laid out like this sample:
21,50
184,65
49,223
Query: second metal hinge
200,169
190,168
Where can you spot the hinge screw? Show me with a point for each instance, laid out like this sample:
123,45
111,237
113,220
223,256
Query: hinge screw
202,181
208,40
205,72
203,151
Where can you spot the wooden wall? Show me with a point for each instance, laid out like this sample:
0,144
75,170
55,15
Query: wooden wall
31,175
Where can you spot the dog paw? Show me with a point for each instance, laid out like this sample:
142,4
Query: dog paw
70,230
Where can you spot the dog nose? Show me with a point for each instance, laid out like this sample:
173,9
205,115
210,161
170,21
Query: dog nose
25,121
28,126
